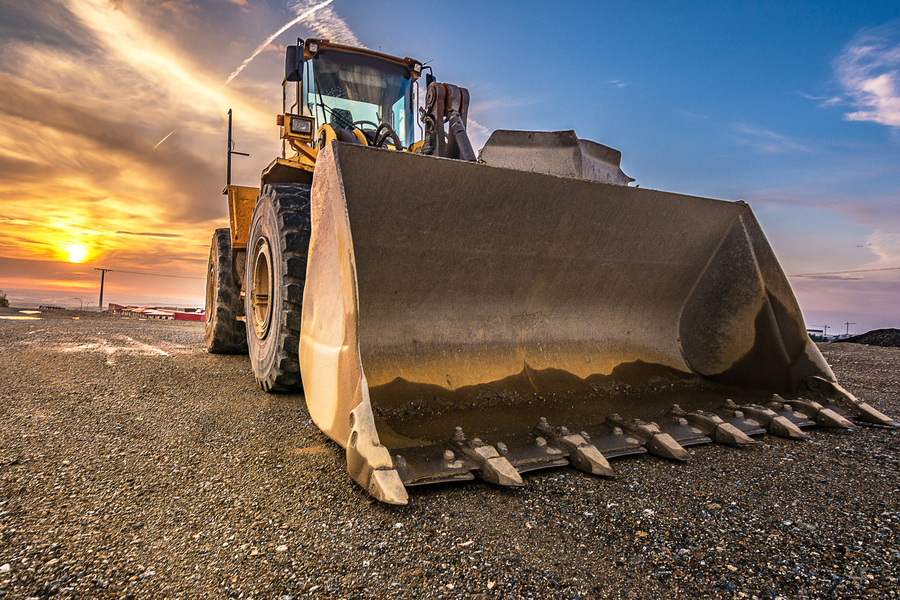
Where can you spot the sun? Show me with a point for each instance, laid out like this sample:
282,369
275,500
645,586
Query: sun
76,253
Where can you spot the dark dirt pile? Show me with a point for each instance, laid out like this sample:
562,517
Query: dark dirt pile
886,338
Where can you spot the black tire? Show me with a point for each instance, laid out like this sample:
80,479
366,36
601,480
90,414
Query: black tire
273,284
224,334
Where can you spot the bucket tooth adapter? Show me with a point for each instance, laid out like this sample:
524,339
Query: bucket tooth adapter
453,315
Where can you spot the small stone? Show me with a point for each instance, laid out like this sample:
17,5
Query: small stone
281,548
731,568
4,569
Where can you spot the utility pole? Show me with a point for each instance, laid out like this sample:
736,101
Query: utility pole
102,277
824,330
848,324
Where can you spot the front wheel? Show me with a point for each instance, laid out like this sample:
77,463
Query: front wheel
273,284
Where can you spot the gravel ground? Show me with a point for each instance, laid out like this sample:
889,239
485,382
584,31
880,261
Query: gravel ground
134,464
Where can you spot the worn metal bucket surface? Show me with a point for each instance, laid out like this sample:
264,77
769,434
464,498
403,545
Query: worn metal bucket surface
444,294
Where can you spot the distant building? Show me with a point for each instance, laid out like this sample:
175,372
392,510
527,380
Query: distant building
153,312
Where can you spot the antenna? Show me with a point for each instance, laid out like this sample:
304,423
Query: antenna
230,151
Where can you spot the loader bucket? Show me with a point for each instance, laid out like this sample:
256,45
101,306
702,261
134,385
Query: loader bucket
460,318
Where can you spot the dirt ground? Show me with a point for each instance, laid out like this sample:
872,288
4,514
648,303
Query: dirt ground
134,464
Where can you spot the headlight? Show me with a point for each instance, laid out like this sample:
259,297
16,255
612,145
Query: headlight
301,126
312,47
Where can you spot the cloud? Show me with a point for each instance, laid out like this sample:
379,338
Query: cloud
869,70
824,101
825,277
150,234
766,141
885,244
326,23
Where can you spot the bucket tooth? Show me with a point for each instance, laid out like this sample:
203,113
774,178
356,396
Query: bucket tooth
657,442
773,422
582,454
726,433
782,427
499,471
823,388
386,486
713,426
492,467
870,415
825,417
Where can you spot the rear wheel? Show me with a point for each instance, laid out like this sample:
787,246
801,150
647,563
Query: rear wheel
274,281
223,334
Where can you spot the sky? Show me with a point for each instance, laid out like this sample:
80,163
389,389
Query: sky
113,121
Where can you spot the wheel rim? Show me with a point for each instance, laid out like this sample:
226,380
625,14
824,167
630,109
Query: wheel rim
261,288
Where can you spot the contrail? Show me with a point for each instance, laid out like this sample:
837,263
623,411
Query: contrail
269,39
162,140
328,25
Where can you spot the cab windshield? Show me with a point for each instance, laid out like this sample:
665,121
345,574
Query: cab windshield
347,90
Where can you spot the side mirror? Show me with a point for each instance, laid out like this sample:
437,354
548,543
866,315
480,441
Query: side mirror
293,63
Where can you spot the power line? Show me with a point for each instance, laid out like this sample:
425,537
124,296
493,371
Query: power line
159,275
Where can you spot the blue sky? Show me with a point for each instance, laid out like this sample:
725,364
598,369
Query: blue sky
793,107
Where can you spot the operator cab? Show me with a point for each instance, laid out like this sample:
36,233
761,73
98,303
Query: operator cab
349,94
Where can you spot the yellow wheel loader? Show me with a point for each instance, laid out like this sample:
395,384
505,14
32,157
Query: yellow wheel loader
451,315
